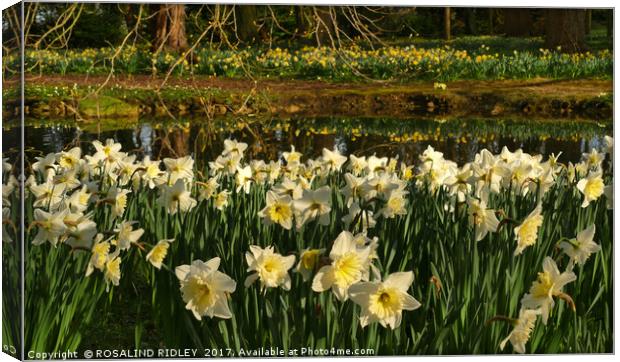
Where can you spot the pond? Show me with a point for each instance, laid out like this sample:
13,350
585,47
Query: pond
458,139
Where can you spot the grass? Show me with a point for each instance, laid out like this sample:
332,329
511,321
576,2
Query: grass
461,283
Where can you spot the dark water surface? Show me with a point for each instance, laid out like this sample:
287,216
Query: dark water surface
459,139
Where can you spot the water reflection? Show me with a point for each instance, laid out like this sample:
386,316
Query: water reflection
405,138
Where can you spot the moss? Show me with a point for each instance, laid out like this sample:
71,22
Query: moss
105,106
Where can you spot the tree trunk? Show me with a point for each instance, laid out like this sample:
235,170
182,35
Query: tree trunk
517,22
491,15
447,23
301,18
247,28
565,28
170,27
326,26
588,21
470,20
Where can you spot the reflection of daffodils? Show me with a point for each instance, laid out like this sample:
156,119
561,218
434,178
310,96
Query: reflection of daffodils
205,289
270,268
549,284
385,301
350,264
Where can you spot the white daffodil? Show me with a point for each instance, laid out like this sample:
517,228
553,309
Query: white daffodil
271,268
244,179
314,205
289,187
179,168
204,289
279,210
50,226
157,255
549,284
396,204
221,199
176,198
350,264
592,187
580,248
333,159
232,147
523,326
126,235
117,197
69,160
483,219
357,164
527,233
385,301
308,261
208,189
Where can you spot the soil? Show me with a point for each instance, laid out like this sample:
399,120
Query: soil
587,98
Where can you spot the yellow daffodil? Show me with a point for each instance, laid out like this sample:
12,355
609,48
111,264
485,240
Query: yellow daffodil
279,210
592,187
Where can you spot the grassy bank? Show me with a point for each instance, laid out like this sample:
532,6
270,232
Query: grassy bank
404,60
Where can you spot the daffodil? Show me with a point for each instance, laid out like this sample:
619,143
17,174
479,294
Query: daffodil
232,147
314,204
527,233
112,272
580,248
157,255
592,187
204,289
271,268
483,219
244,179
99,255
396,204
549,284
333,159
279,210
523,326
350,264
221,199
384,301
179,168
176,198
50,226
117,197
127,235
308,261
